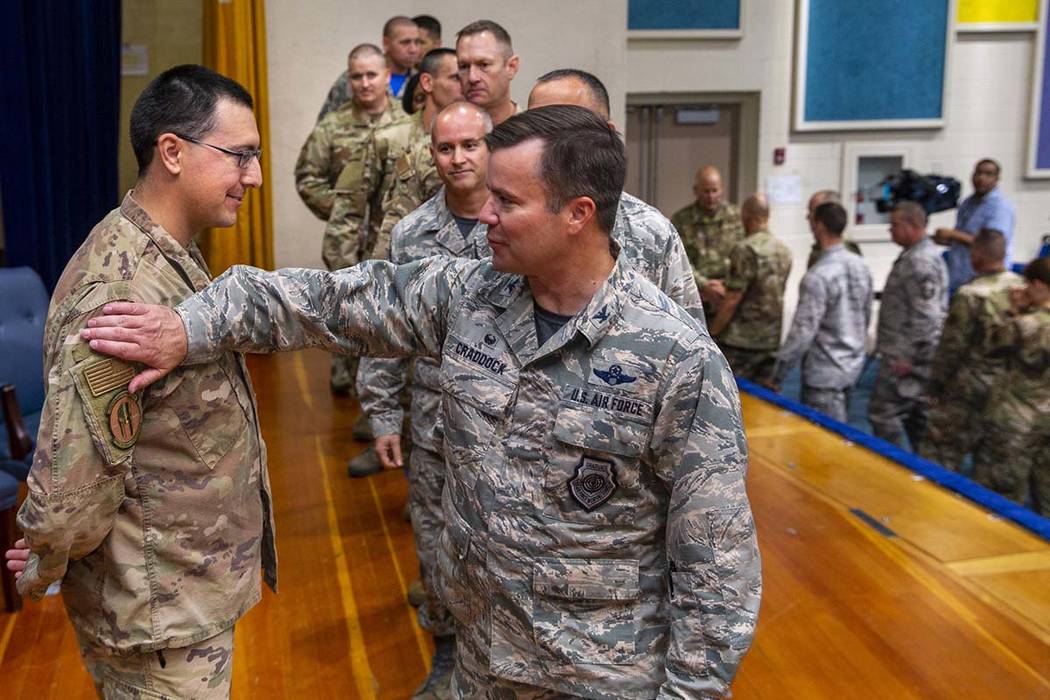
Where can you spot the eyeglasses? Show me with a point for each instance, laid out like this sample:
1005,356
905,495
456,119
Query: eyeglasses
244,158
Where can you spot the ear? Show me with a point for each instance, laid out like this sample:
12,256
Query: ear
512,65
426,82
579,212
169,152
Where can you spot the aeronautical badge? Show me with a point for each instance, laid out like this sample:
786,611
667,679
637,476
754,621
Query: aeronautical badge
594,483
125,419
614,375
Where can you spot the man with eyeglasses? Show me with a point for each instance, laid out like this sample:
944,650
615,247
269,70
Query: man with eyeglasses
153,508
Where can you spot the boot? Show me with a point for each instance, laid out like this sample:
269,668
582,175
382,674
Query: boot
362,430
438,685
416,595
364,464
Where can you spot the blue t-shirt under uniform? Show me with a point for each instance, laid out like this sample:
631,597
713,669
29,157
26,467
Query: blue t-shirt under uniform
993,210
397,82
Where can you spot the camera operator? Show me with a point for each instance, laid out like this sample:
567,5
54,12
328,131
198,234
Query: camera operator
987,207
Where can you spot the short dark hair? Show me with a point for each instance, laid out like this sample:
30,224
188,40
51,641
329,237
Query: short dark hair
181,101
833,216
487,25
991,243
396,21
595,86
1038,269
912,212
432,60
582,156
989,161
428,24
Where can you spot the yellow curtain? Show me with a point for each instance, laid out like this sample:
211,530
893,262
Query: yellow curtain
235,45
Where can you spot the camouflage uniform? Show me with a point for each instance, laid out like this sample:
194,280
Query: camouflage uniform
414,181
154,510
962,376
708,240
330,162
829,331
598,539
340,93
759,267
650,246
1014,452
914,304
429,230
361,191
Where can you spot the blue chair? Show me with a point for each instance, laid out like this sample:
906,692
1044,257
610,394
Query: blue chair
23,310
8,504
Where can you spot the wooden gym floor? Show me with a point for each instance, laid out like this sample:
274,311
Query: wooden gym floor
877,584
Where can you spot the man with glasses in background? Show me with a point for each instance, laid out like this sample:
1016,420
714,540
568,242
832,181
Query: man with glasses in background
153,508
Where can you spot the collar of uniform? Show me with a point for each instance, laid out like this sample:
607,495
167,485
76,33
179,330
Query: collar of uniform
720,212
837,248
190,260
447,234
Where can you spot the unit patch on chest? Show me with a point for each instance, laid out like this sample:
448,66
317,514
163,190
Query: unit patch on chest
594,482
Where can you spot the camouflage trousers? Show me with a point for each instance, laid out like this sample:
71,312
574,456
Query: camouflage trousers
754,365
343,374
202,671
1013,456
953,427
898,407
426,481
833,403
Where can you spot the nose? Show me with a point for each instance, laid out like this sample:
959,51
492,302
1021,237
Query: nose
252,175
473,74
457,154
488,212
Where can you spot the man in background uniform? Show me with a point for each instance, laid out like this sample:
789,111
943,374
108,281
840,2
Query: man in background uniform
709,227
400,53
447,224
914,303
153,508
487,64
962,375
818,198
1013,456
830,328
598,540
333,157
747,326
429,33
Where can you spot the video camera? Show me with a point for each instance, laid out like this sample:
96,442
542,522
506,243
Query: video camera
934,192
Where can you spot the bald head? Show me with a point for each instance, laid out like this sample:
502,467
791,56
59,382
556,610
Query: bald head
569,86
754,212
458,113
708,189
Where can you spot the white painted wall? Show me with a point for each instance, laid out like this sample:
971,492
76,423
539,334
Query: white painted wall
308,44
987,115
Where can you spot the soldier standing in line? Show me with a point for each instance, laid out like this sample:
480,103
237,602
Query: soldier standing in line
962,375
429,33
153,508
446,225
333,156
818,198
486,64
592,430
1013,456
914,304
830,328
401,52
384,160
709,227
747,327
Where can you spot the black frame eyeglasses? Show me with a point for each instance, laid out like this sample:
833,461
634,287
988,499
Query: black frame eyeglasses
244,158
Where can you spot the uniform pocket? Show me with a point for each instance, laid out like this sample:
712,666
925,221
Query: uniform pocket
585,611
452,555
593,467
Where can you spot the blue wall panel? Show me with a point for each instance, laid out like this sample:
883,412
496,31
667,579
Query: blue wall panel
1042,153
875,60
683,14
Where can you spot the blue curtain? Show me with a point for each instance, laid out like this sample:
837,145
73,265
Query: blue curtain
60,82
